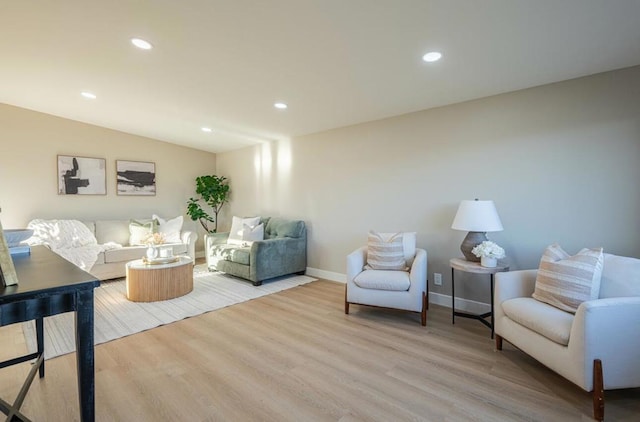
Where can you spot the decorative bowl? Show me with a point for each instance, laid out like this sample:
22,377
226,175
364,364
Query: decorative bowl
15,236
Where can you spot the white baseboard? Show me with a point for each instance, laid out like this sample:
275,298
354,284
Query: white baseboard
466,305
327,275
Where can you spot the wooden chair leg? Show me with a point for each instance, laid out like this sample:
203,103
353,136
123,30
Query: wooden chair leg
498,342
423,314
598,391
346,304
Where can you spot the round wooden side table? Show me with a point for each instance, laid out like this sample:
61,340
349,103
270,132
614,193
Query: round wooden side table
462,264
153,282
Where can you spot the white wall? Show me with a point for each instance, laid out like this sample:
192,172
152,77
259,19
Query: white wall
560,161
30,144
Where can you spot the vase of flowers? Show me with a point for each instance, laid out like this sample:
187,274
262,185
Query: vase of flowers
489,253
152,241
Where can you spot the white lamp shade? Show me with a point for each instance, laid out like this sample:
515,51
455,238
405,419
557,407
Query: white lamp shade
477,216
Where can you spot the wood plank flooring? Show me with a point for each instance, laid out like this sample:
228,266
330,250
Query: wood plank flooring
295,356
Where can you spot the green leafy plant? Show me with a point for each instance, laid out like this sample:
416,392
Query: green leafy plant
214,191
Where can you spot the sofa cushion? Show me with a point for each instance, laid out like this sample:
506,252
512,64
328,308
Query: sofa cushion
280,227
620,276
383,280
139,232
130,253
546,320
170,229
385,251
116,231
233,253
237,228
566,281
248,235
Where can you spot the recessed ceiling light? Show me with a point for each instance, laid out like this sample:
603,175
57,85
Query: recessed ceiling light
89,95
140,43
281,106
432,56
206,129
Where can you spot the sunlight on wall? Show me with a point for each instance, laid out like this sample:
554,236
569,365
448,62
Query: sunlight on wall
272,165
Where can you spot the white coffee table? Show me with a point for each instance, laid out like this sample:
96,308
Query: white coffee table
152,282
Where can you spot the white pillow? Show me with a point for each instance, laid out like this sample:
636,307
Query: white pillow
249,235
385,251
170,229
139,232
409,241
237,228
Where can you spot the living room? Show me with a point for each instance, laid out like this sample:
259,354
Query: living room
559,159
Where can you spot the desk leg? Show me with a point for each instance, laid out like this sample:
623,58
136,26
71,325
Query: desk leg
453,298
40,341
492,317
84,354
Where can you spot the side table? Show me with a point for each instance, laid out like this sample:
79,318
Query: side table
462,264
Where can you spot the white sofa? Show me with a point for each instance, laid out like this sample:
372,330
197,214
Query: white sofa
112,249
598,348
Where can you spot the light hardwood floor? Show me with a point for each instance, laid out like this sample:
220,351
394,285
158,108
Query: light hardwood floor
295,356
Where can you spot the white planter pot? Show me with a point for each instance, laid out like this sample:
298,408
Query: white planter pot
488,262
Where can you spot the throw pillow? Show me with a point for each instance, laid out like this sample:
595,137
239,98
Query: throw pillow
385,251
565,281
249,235
140,232
237,228
170,229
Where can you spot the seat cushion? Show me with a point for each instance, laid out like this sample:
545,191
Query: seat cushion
546,320
233,253
383,280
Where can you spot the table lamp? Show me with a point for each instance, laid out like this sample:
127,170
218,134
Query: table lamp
476,217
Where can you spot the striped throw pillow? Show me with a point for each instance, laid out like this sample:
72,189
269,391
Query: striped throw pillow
565,281
385,251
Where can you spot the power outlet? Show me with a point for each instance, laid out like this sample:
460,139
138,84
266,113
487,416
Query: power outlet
437,279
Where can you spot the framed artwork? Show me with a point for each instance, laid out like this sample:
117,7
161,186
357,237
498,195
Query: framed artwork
8,275
81,175
136,178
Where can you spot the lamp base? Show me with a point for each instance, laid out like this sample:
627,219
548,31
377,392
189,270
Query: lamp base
470,241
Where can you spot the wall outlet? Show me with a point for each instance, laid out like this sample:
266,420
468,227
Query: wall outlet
437,279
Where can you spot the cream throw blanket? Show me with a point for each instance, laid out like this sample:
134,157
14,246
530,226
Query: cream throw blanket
70,239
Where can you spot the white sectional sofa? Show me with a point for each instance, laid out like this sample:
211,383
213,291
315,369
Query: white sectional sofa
103,249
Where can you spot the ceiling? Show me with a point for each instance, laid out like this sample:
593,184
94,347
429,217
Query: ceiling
222,64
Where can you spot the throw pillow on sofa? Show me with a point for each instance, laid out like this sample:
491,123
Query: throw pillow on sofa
170,229
140,232
238,232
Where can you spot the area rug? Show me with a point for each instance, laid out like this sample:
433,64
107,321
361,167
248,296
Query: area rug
116,317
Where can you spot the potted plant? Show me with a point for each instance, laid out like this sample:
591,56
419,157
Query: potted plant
489,253
214,191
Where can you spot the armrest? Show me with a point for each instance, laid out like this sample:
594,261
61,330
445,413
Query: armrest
418,274
355,263
189,238
514,284
275,257
608,329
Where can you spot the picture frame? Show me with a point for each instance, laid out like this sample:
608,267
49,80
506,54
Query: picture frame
135,178
81,175
8,276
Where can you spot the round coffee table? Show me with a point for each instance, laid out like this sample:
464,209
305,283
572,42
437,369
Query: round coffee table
153,282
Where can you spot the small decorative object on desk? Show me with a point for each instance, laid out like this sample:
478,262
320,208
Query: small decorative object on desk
489,253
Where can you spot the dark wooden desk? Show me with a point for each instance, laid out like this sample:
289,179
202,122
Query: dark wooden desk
49,285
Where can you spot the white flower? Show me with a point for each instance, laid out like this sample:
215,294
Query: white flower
488,249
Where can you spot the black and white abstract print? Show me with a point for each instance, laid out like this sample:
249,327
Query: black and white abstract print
81,175
136,177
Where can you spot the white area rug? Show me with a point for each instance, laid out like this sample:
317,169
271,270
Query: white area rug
116,317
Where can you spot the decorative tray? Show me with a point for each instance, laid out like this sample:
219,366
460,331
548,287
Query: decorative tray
156,261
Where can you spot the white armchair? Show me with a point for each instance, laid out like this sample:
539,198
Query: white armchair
597,349
387,289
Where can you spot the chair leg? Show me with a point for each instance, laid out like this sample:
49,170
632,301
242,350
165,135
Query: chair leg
346,304
598,391
423,314
498,342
